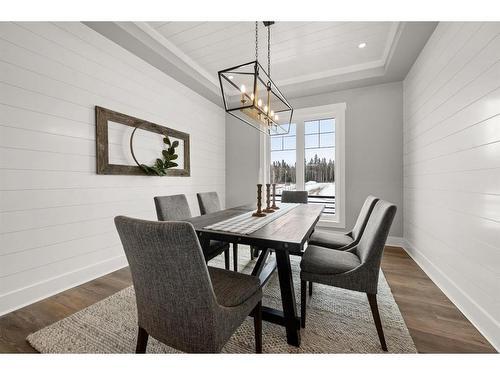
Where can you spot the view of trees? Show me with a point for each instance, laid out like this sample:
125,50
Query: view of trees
316,169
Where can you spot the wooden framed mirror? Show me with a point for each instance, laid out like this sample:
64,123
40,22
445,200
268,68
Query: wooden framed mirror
114,142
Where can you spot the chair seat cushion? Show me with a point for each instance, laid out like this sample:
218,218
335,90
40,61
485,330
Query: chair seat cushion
232,288
330,239
320,260
214,249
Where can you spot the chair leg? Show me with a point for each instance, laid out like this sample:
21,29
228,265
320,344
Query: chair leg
372,299
226,259
235,257
142,341
251,253
310,288
257,322
303,297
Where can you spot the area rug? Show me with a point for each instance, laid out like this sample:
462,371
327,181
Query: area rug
338,321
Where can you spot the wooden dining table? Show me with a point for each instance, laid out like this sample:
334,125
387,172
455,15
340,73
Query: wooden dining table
285,236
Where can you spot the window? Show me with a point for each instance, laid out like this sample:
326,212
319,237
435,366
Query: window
319,162
317,138
283,160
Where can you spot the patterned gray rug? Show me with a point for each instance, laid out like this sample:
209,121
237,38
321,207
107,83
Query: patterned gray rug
338,321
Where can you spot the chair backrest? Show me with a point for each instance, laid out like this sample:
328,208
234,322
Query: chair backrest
172,208
289,196
371,245
364,214
176,303
208,202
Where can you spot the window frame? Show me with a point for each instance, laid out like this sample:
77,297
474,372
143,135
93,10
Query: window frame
302,115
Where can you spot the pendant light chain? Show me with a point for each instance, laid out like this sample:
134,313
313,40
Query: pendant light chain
256,41
269,51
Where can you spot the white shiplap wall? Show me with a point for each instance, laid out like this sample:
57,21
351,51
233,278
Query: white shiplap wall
452,167
56,213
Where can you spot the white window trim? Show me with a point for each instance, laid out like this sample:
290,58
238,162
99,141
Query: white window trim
299,117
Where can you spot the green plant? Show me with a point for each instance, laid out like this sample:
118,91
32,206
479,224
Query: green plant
161,165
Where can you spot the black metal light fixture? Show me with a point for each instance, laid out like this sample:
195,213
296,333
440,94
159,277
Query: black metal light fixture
250,94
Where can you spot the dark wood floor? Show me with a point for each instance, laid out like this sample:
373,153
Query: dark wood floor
435,324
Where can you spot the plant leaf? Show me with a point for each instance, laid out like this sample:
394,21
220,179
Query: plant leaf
147,169
160,166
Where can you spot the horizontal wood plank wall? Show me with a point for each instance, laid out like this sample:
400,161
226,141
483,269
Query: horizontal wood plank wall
56,213
452,167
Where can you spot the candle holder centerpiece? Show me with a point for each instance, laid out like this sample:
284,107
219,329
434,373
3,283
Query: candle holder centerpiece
259,212
268,209
274,207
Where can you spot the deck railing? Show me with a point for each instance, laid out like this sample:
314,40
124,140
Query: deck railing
327,200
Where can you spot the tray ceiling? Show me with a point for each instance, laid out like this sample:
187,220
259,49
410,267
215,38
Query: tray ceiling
306,57
298,49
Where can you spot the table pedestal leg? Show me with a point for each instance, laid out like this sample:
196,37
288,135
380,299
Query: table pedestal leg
288,297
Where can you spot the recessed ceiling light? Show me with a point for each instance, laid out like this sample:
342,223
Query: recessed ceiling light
362,45
230,77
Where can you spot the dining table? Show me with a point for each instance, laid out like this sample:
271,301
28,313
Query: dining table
285,235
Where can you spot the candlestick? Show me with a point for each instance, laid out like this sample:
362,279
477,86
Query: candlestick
274,207
268,199
259,212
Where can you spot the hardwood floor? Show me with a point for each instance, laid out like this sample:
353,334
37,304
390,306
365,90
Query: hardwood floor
435,324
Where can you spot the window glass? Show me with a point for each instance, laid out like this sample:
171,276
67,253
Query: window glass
327,125
283,160
311,127
327,140
319,164
276,143
289,143
311,140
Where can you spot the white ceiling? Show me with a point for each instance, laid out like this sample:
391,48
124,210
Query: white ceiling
298,49
307,58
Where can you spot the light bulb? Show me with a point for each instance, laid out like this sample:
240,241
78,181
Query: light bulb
276,118
230,77
265,108
252,96
243,89
272,113
259,103
362,45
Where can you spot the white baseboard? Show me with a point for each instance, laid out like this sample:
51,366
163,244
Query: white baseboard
395,241
22,297
480,318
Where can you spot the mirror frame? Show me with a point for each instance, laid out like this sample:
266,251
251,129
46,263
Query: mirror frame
103,115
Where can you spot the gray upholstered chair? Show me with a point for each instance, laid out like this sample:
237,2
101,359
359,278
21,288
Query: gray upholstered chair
354,269
180,301
289,196
209,203
343,241
339,240
176,208
172,208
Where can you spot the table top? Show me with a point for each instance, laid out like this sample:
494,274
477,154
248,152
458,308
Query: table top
289,231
